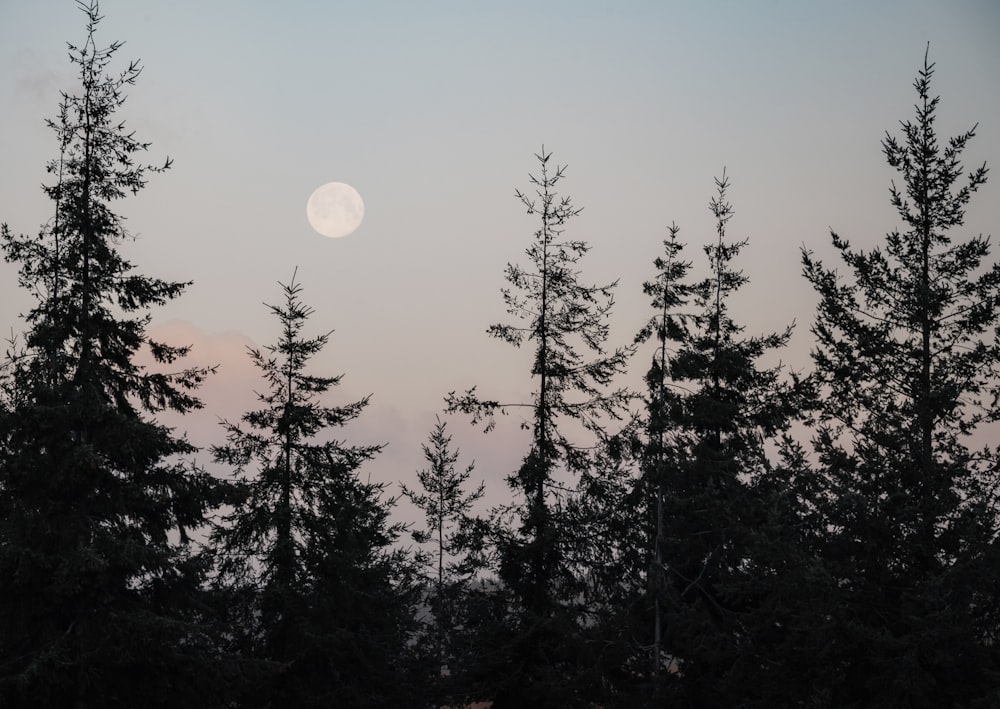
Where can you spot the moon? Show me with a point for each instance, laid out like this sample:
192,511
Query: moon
335,209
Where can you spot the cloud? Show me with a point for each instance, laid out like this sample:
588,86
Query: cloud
227,394
231,392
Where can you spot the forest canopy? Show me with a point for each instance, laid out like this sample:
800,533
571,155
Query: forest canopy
730,532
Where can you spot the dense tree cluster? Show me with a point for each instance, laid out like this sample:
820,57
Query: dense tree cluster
735,534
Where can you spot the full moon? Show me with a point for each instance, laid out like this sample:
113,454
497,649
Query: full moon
335,209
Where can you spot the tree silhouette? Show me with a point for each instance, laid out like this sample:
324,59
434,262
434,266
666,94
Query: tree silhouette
908,356
707,461
668,291
447,508
559,317
309,547
99,587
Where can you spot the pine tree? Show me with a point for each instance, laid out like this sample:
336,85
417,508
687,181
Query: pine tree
447,507
707,463
309,548
908,356
557,315
619,513
669,292
99,585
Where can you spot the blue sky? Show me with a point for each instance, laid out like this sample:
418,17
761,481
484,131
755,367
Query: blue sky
433,111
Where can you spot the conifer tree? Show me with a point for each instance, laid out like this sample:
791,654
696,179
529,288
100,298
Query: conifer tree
309,548
908,357
447,507
620,511
562,319
99,585
669,292
707,464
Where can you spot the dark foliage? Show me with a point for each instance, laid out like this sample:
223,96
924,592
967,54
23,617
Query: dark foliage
698,556
450,566
327,604
100,601
908,356
562,319
712,407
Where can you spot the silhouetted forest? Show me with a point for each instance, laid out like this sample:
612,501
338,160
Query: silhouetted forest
731,535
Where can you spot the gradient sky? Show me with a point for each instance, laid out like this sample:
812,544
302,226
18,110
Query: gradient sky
433,111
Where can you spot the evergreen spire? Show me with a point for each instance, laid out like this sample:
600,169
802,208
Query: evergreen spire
98,580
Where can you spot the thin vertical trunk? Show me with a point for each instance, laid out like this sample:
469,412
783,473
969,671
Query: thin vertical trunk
87,235
285,570
717,346
440,581
539,475
658,556
82,374
55,343
88,228
925,415
659,468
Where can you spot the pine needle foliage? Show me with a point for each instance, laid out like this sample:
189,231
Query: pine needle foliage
99,584
449,568
309,549
713,407
566,323
908,357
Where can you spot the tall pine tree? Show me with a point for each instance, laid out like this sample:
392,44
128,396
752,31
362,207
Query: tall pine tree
908,356
449,568
565,322
669,292
99,588
712,407
325,600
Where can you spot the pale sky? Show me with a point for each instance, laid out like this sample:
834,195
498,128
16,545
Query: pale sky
433,111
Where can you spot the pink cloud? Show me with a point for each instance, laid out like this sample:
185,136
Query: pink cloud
226,395
230,393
